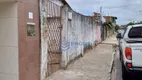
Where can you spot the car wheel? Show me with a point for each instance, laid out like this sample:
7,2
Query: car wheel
125,73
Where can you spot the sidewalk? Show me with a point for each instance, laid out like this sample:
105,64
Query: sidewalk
95,65
112,40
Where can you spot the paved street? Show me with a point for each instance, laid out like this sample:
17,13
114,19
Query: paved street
117,71
95,65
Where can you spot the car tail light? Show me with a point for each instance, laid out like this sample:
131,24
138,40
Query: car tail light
129,65
128,53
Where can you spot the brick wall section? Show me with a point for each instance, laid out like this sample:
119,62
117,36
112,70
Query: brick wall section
29,47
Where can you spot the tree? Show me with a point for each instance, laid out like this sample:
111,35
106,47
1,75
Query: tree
134,23
117,27
108,24
131,23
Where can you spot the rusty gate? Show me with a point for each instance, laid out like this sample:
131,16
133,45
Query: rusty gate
54,36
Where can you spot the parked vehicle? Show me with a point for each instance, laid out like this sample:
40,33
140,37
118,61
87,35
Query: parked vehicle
120,32
131,49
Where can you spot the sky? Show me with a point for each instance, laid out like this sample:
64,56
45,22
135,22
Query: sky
125,10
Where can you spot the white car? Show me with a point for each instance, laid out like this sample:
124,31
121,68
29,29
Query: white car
131,49
121,31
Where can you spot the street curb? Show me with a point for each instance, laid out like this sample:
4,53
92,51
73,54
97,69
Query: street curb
112,62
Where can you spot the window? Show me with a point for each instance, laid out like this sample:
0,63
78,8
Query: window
31,30
135,32
124,32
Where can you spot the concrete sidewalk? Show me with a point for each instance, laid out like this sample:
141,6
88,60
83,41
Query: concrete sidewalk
112,40
95,65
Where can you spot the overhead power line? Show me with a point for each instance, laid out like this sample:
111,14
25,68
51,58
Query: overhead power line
122,6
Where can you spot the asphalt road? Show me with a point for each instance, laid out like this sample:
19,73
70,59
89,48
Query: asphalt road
117,71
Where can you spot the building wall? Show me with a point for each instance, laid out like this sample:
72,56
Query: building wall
78,31
57,2
29,46
8,41
46,10
98,33
43,25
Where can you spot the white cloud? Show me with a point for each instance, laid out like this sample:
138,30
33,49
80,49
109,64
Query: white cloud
125,10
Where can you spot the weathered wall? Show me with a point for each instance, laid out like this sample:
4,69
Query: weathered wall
104,33
110,31
43,26
98,33
80,29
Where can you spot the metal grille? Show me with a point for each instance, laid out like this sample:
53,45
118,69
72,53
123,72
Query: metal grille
54,36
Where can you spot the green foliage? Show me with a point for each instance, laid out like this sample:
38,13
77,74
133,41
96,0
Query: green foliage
109,24
131,23
117,27
134,23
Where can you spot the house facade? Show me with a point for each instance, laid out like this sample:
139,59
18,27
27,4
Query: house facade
110,23
19,40
31,35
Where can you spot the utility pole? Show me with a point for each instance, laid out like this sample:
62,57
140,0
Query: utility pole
102,34
101,13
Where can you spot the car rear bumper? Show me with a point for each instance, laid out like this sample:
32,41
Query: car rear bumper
135,69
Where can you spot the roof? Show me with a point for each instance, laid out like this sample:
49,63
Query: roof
110,16
65,3
97,14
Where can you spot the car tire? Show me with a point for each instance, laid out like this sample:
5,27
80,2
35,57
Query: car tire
125,73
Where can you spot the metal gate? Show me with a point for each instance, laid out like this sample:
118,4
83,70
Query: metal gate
54,36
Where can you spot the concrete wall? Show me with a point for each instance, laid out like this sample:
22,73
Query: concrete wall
43,26
8,41
81,29
98,33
